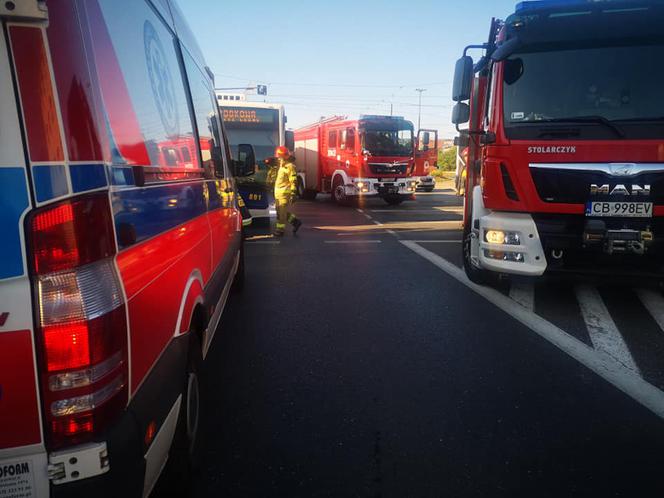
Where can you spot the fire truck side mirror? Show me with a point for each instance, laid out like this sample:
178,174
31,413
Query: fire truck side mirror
460,113
462,140
463,79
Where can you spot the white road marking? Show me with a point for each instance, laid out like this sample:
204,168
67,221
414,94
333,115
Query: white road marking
603,331
654,303
366,241
524,294
600,362
407,211
263,242
438,241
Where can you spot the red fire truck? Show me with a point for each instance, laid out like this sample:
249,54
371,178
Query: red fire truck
121,240
372,156
566,141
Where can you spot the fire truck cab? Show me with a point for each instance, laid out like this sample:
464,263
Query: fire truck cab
565,167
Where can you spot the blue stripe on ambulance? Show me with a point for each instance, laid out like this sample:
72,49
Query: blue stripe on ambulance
13,203
87,177
50,182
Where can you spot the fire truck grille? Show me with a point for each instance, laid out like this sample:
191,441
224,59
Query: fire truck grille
573,187
388,168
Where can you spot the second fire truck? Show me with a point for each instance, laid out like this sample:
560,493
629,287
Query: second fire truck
372,156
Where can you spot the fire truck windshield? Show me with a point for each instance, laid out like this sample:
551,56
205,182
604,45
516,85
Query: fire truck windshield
388,142
598,92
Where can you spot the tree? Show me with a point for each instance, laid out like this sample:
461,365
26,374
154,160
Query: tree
447,159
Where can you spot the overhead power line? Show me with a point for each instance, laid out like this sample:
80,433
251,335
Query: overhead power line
347,85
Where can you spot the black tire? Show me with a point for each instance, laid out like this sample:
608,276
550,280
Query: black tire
309,194
300,187
393,200
183,463
238,280
428,189
338,193
474,274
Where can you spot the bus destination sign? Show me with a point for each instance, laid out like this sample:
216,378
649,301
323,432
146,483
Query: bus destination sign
246,117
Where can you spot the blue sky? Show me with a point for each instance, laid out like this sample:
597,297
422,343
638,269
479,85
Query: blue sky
343,57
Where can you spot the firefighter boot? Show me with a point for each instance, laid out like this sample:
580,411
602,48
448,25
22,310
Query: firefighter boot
296,225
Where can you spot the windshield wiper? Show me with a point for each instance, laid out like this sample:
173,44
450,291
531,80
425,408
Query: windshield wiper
648,119
587,119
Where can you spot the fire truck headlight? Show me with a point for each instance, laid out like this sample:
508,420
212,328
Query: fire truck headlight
515,257
502,237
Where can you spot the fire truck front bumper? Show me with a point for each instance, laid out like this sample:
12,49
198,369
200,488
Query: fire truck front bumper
510,243
426,183
368,187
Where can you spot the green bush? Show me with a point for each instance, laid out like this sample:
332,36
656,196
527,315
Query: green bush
447,159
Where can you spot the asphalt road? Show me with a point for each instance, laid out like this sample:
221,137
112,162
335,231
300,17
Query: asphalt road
359,361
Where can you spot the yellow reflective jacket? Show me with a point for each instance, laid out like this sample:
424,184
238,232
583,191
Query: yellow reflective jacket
285,186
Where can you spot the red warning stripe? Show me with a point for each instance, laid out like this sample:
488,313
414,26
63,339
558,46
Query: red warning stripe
36,91
19,411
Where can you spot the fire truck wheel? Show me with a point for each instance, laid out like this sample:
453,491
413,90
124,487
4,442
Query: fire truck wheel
182,462
475,274
309,194
300,188
393,200
338,191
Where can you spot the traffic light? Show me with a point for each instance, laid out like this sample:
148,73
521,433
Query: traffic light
261,89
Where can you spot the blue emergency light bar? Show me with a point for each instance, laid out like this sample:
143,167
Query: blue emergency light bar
547,4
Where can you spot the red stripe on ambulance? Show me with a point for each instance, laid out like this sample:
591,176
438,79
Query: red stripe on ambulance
19,409
39,111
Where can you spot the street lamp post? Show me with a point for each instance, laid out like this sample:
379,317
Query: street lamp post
419,106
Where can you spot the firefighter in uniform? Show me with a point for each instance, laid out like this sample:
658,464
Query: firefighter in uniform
285,190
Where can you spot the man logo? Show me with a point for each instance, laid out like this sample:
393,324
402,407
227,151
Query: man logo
619,190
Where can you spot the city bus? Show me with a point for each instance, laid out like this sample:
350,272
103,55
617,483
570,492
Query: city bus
262,125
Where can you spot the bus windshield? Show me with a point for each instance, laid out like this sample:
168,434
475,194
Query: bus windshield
388,142
256,126
607,91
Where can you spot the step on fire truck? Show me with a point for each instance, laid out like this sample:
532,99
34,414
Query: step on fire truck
566,141
372,156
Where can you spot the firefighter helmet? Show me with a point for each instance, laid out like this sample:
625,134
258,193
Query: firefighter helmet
282,152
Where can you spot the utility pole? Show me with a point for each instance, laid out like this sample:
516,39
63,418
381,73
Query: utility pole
419,106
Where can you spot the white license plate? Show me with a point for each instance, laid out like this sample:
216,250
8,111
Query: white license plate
620,209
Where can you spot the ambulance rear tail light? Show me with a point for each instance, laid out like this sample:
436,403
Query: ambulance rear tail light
81,319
